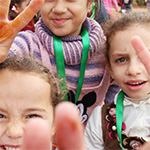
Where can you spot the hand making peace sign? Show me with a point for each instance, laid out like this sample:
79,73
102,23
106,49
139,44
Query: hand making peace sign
9,29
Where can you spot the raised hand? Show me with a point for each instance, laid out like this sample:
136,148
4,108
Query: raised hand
37,135
9,29
144,55
142,52
69,131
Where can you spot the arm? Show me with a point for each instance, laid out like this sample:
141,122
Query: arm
9,29
114,2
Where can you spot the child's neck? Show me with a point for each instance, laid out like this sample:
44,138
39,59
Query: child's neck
137,101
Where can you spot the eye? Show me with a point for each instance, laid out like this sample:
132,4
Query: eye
71,0
2,116
33,116
122,59
49,0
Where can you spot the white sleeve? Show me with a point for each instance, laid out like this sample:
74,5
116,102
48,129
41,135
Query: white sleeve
93,131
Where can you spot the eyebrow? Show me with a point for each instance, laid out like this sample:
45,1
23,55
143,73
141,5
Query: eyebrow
3,110
119,54
35,109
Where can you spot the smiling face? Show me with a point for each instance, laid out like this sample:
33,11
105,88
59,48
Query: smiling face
23,97
65,17
126,68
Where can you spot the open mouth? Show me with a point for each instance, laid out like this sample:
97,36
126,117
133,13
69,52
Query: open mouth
136,83
9,148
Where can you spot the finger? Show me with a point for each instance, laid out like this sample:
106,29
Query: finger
4,8
142,52
36,136
6,31
27,15
69,131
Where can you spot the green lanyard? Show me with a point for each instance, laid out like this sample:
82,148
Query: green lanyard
119,115
60,63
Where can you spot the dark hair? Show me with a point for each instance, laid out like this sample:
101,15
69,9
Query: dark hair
12,13
29,65
126,21
13,2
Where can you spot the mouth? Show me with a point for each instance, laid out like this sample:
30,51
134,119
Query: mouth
136,83
10,148
59,21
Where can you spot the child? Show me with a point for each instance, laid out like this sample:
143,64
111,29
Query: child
148,4
101,14
109,5
126,6
125,122
16,7
28,90
58,42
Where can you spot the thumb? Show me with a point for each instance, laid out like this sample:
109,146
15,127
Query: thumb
69,130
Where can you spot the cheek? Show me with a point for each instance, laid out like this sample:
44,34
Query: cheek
117,75
43,12
2,128
45,9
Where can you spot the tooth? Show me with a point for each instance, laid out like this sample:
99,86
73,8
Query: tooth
11,148
6,147
136,83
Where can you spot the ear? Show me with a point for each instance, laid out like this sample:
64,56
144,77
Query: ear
109,68
90,5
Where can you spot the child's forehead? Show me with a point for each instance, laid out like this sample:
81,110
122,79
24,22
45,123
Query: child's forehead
128,32
23,83
121,40
9,74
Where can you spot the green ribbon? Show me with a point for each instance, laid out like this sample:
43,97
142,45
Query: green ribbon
93,11
60,63
119,115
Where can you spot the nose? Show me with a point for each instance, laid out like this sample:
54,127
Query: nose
134,67
15,129
59,7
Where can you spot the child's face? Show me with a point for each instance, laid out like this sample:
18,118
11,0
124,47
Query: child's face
23,97
126,68
65,17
